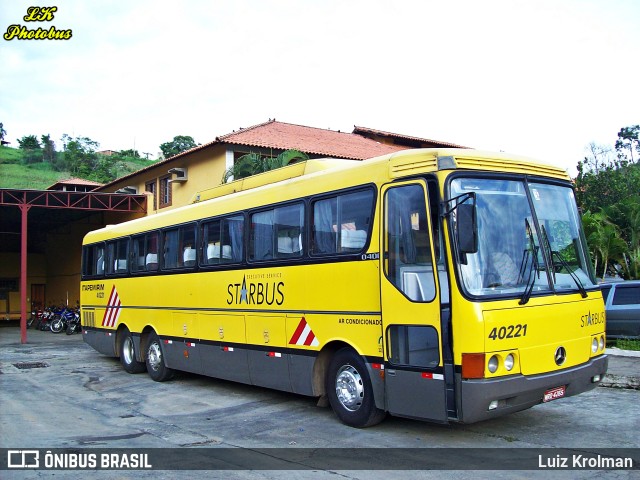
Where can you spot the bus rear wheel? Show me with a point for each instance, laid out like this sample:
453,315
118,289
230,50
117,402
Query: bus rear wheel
349,390
127,353
154,359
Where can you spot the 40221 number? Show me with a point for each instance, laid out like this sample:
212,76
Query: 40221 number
510,331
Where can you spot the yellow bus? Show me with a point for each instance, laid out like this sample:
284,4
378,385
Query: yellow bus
448,285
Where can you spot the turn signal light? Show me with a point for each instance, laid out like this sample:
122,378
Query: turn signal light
473,365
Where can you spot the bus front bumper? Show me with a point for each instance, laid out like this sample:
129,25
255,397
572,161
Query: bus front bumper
512,394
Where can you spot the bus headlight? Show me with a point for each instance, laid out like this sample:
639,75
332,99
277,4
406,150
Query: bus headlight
493,364
594,345
602,342
508,362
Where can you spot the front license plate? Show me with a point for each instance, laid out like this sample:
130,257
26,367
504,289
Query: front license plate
553,394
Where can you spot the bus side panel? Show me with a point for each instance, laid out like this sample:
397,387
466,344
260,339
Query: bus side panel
268,365
101,340
224,357
183,353
301,372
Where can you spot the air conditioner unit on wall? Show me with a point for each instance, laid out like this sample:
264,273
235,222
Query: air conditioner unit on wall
180,175
129,190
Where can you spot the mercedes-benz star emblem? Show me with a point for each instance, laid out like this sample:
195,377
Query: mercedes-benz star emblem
560,356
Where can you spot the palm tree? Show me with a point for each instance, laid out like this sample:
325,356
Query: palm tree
604,238
254,163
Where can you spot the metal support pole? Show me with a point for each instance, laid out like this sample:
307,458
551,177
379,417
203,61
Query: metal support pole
24,209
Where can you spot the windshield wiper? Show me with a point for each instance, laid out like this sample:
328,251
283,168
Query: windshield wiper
563,263
534,265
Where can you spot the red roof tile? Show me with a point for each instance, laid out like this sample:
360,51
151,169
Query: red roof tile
424,142
316,141
75,181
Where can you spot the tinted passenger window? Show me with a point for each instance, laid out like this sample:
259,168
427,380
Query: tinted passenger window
277,233
93,260
222,240
117,256
179,247
145,253
341,223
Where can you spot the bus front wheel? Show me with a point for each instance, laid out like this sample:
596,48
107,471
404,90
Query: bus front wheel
349,390
154,359
127,353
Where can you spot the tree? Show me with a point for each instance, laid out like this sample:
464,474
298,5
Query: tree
3,133
130,153
179,144
604,179
31,147
628,138
48,149
604,240
80,156
608,189
254,163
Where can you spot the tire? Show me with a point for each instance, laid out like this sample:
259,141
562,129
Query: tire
154,359
349,390
57,325
127,351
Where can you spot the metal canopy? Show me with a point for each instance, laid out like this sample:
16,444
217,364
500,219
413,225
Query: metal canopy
76,200
87,201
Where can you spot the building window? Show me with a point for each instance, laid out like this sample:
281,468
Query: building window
151,188
165,191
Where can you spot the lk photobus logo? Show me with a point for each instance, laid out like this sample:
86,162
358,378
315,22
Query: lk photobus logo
37,14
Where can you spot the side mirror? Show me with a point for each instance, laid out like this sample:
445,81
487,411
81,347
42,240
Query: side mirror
467,228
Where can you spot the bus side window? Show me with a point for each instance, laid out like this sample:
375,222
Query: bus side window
170,247
289,224
99,265
188,246
324,226
145,253
277,233
341,224
93,260
222,240
151,250
117,257
261,247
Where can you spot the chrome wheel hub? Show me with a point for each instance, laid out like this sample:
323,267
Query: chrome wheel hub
349,388
127,350
155,356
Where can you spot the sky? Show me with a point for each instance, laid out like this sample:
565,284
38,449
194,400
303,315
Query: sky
536,78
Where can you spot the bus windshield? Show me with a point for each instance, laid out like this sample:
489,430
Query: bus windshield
523,251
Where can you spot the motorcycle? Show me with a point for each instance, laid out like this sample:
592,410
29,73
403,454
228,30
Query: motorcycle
61,320
74,324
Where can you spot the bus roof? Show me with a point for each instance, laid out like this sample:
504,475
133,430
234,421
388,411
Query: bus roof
395,165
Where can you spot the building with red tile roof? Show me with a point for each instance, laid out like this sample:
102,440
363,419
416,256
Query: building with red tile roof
174,181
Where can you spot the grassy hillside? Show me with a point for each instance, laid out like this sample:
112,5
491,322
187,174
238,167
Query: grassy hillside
32,176
14,173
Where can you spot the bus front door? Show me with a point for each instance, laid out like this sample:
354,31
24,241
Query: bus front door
414,374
